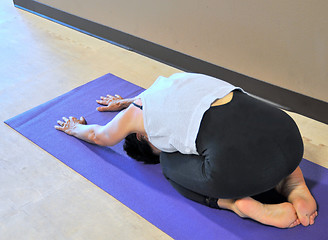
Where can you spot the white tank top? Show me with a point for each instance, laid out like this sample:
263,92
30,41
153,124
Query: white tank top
173,109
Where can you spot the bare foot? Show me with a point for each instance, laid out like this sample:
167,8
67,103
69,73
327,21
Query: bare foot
278,215
294,188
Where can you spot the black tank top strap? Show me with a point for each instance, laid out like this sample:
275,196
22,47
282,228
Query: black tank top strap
137,105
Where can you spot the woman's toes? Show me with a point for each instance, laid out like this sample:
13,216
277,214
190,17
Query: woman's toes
295,223
311,220
305,220
312,217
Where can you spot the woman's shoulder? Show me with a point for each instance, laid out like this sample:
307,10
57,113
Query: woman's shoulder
134,117
138,101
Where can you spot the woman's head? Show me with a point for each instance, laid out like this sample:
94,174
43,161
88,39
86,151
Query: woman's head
140,149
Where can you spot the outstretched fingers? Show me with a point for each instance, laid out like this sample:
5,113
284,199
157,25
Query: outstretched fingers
69,123
82,120
60,128
106,100
103,109
103,101
61,124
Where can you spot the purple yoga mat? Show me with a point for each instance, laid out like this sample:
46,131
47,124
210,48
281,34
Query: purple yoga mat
143,187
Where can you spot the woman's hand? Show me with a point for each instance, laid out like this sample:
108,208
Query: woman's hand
112,103
69,124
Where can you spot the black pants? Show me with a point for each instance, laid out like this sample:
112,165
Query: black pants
245,147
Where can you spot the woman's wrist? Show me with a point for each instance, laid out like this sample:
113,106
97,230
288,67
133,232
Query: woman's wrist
76,130
127,102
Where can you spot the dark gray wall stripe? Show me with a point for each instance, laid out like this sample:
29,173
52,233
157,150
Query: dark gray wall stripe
292,101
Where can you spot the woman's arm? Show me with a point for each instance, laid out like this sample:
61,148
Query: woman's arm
108,135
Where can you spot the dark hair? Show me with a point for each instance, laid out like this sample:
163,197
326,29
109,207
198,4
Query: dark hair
139,150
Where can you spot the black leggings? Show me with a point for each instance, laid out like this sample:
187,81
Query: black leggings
245,147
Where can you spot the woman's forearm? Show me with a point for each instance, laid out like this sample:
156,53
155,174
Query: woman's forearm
87,133
93,133
110,134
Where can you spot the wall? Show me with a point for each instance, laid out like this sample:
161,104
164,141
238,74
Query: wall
280,42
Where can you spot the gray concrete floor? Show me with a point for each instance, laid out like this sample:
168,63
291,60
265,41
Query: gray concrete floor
41,198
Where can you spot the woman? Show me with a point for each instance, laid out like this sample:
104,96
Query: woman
217,145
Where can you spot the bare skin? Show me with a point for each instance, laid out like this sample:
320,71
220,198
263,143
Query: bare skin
114,103
281,215
301,207
294,188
